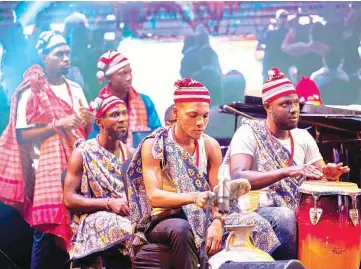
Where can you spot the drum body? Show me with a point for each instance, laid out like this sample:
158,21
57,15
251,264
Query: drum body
329,233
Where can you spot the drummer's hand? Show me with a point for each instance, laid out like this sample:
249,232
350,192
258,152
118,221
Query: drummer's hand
214,237
332,171
202,197
306,170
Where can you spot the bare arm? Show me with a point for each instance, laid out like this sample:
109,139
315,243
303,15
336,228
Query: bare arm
33,135
319,164
41,132
152,177
295,49
72,198
241,165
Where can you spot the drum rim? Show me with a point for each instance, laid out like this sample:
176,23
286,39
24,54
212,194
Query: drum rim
333,192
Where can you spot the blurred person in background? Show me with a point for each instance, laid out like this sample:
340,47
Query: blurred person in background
331,69
15,57
169,116
273,54
78,35
233,90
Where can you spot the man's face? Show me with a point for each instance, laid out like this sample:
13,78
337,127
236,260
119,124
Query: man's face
192,118
285,111
58,60
122,79
115,122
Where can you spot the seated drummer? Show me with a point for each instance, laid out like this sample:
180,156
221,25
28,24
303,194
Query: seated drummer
94,188
174,169
173,163
276,155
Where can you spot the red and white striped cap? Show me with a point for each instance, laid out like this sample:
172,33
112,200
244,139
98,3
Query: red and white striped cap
276,86
189,90
109,63
104,103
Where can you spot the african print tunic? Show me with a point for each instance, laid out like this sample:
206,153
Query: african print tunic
272,157
102,178
186,178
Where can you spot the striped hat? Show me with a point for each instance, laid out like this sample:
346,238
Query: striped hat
48,41
109,63
276,86
189,90
103,103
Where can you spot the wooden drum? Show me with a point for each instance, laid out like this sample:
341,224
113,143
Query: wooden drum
329,233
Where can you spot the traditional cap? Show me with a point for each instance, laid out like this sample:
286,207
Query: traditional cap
308,92
190,90
103,103
109,63
49,40
276,86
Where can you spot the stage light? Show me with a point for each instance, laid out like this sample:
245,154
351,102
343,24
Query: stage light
304,20
111,17
121,25
109,36
57,27
28,30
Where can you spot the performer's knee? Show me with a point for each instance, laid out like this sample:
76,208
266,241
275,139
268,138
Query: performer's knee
286,220
181,232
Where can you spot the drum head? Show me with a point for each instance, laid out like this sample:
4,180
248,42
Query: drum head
329,187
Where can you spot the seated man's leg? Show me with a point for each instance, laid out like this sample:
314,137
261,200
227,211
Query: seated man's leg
283,222
113,259
262,233
177,233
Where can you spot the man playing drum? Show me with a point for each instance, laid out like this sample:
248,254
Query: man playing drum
276,156
169,182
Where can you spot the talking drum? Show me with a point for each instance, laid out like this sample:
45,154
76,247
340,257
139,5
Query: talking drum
329,232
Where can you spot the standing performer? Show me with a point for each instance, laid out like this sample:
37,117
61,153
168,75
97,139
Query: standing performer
48,114
143,116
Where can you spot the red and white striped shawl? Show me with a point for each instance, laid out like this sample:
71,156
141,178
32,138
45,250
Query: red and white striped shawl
39,196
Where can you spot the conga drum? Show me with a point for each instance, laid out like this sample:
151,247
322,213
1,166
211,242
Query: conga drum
329,233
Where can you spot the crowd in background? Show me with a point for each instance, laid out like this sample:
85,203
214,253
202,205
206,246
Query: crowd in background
328,53
297,49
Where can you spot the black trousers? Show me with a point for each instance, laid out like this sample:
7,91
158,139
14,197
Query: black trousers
172,245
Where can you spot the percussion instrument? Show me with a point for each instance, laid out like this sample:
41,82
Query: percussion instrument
329,232
239,248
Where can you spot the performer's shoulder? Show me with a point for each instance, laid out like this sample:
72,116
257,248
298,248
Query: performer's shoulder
74,85
302,135
300,132
244,130
148,143
210,141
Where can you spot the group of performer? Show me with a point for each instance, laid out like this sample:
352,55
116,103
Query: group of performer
70,168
